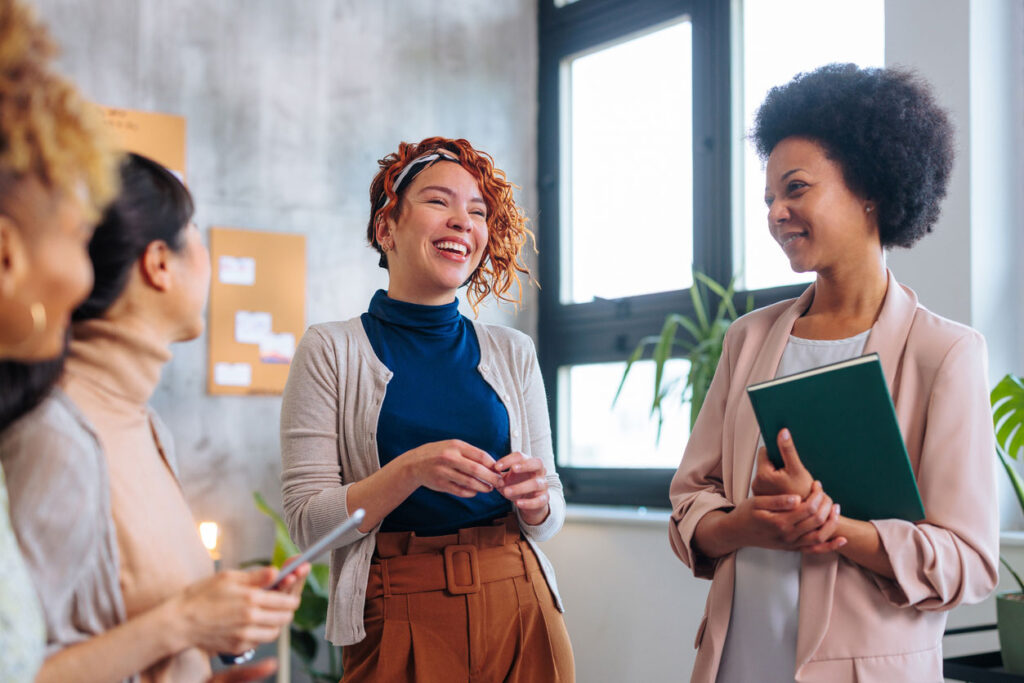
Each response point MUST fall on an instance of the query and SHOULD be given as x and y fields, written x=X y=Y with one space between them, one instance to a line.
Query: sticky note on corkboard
x=257 y=309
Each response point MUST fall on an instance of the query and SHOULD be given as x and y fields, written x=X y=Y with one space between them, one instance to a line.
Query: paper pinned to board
x=253 y=327
x=232 y=374
x=236 y=270
x=277 y=348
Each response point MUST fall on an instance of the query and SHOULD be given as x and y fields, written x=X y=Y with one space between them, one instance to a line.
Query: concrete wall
x=288 y=107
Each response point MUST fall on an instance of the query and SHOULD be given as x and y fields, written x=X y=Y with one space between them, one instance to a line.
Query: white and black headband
x=411 y=170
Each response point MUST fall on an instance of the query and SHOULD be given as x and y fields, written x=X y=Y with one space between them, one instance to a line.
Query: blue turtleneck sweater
x=436 y=393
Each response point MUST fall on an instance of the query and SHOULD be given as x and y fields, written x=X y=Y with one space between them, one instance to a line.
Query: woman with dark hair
x=128 y=591
x=437 y=426
x=857 y=162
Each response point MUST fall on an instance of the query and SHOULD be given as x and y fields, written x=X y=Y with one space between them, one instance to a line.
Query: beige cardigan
x=853 y=624
x=329 y=418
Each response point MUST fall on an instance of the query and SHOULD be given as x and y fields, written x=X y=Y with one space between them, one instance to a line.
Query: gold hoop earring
x=38 y=313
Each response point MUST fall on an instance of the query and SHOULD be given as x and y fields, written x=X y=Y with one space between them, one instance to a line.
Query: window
x=830 y=31
x=644 y=176
x=628 y=140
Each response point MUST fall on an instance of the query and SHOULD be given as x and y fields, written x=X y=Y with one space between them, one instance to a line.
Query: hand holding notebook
x=845 y=430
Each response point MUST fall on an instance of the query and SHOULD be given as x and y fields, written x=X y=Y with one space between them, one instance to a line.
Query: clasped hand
x=789 y=510
x=456 y=467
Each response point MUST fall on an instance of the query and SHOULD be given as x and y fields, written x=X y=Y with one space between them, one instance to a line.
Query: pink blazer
x=853 y=624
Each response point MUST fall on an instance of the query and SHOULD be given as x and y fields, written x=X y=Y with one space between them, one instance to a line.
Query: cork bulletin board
x=161 y=137
x=257 y=310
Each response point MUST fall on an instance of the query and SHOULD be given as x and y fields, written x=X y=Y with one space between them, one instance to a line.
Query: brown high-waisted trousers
x=470 y=607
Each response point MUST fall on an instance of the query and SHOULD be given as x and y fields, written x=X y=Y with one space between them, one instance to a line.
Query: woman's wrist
x=535 y=517
x=715 y=534
x=174 y=625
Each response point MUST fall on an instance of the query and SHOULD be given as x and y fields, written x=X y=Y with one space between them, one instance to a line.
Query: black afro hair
x=892 y=141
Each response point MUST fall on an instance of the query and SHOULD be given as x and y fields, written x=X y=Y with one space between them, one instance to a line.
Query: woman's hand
x=761 y=523
x=792 y=477
x=525 y=483
x=232 y=612
x=779 y=522
x=293 y=583
x=453 y=467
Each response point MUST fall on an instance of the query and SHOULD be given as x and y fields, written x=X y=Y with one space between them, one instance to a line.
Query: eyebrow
x=790 y=172
x=448 y=191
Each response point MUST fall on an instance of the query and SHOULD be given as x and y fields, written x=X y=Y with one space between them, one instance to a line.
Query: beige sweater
x=143 y=545
x=329 y=417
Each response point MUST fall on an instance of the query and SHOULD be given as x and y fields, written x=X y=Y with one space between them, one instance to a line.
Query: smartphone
x=311 y=553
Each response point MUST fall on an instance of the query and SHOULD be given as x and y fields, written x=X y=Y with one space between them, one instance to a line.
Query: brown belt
x=459 y=569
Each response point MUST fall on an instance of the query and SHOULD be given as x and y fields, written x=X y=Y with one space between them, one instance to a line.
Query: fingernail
x=792 y=500
x=784 y=434
x=517 y=468
x=842 y=542
x=837 y=510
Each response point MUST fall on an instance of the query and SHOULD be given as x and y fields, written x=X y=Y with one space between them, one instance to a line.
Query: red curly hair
x=507 y=233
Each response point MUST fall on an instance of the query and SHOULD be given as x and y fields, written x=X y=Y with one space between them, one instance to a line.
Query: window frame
x=607 y=330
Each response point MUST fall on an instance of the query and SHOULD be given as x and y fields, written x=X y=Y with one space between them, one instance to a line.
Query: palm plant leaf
x=284 y=547
x=637 y=354
x=698 y=307
x=1008 y=414
x=701 y=345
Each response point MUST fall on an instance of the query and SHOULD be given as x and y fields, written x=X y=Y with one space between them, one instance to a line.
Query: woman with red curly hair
x=437 y=426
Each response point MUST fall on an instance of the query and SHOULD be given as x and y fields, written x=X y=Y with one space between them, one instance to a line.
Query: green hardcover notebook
x=844 y=428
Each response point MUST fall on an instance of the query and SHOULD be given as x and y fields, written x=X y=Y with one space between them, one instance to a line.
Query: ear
x=382 y=228
x=13 y=255
x=155 y=265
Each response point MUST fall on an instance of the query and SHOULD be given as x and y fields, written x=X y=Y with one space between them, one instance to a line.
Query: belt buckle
x=458 y=555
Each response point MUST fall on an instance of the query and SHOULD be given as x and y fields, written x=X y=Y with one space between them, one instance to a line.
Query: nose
x=460 y=219
x=778 y=213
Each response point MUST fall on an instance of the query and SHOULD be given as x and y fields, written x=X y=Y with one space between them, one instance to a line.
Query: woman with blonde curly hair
x=437 y=426
x=56 y=174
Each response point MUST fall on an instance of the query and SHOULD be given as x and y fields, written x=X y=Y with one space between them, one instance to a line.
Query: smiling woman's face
x=46 y=268
x=816 y=219
x=440 y=236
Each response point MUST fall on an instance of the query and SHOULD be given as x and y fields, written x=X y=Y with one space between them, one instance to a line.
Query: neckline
x=830 y=342
x=444 y=318
x=123 y=363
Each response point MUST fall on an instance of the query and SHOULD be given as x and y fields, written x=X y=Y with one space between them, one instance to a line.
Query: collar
x=122 y=362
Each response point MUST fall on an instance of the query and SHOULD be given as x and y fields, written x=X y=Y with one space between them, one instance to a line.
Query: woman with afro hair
x=857 y=162
x=437 y=426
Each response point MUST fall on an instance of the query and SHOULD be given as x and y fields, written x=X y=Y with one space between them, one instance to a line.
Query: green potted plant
x=1008 y=417
x=304 y=637
x=701 y=345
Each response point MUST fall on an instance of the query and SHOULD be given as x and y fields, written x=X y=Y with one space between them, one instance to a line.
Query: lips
x=455 y=249
x=790 y=237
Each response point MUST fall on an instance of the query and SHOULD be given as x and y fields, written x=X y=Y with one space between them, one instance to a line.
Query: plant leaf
x=304 y=644
x=284 y=547
x=662 y=350
x=1008 y=414
x=698 y=306
x=312 y=611
x=637 y=354
x=320 y=578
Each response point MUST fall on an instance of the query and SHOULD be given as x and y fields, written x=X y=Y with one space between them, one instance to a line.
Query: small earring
x=38 y=313
x=868 y=208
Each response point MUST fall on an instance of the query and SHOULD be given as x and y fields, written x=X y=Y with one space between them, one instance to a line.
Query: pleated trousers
x=470 y=607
